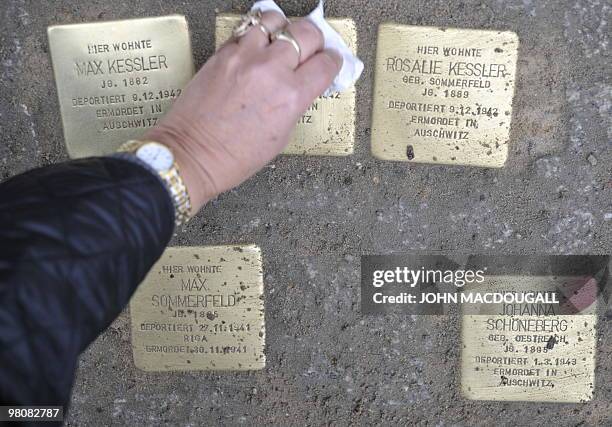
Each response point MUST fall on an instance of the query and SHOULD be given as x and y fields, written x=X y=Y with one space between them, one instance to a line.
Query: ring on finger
x=265 y=30
x=286 y=36
x=251 y=19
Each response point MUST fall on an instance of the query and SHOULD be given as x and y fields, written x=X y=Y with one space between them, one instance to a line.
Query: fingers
x=259 y=35
x=309 y=39
x=317 y=74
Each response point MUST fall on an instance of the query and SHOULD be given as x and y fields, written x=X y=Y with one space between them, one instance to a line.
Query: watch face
x=158 y=156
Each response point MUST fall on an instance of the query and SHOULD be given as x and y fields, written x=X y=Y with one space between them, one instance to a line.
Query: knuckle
x=231 y=61
x=257 y=70
x=328 y=64
x=289 y=93
x=311 y=31
x=227 y=50
x=294 y=96
x=301 y=82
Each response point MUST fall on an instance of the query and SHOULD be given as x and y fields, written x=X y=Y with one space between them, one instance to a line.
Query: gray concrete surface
x=313 y=217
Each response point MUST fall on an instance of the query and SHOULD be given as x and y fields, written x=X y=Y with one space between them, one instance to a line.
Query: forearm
x=76 y=240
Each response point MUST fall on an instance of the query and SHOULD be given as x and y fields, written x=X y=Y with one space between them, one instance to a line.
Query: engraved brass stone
x=201 y=308
x=443 y=95
x=520 y=355
x=117 y=79
x=328 y=127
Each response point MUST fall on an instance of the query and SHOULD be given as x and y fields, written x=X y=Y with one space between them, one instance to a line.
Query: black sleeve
x=76 y=239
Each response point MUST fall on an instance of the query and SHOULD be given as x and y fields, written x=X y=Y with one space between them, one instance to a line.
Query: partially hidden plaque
x=443 y=95
x=328 y=127
x=116 y=79
x=201 y=308
x=529 y=352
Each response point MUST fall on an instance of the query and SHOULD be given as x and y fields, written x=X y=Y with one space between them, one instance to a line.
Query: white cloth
x=352 y=66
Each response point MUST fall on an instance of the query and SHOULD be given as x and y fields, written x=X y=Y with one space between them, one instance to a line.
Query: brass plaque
x=527 y=352
x=201 y=308
x=328 y=127
x=117 y=79
x=443 y=95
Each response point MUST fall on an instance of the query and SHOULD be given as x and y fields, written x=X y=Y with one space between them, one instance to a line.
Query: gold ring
x=251 y=19
x=285 y=36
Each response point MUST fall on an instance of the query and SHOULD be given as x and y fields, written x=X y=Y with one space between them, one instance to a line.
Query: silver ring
x=251 y=19
x=286 y=36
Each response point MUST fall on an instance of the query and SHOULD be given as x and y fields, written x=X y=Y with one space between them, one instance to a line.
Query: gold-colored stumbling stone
x=443 y=95
x=201 y=308
x=116 y=79
x=527 y=352
x=328 y=127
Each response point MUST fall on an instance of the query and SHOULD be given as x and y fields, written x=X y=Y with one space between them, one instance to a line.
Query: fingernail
x=336 y=57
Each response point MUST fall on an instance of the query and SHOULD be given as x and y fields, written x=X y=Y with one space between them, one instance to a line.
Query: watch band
x=171 y=178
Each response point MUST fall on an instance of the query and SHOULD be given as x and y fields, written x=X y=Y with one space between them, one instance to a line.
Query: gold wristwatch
x=161 y=159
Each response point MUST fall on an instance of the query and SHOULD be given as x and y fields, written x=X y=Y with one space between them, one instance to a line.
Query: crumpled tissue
x=352 y=66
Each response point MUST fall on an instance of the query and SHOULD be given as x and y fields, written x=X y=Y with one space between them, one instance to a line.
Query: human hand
x=238 y=112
